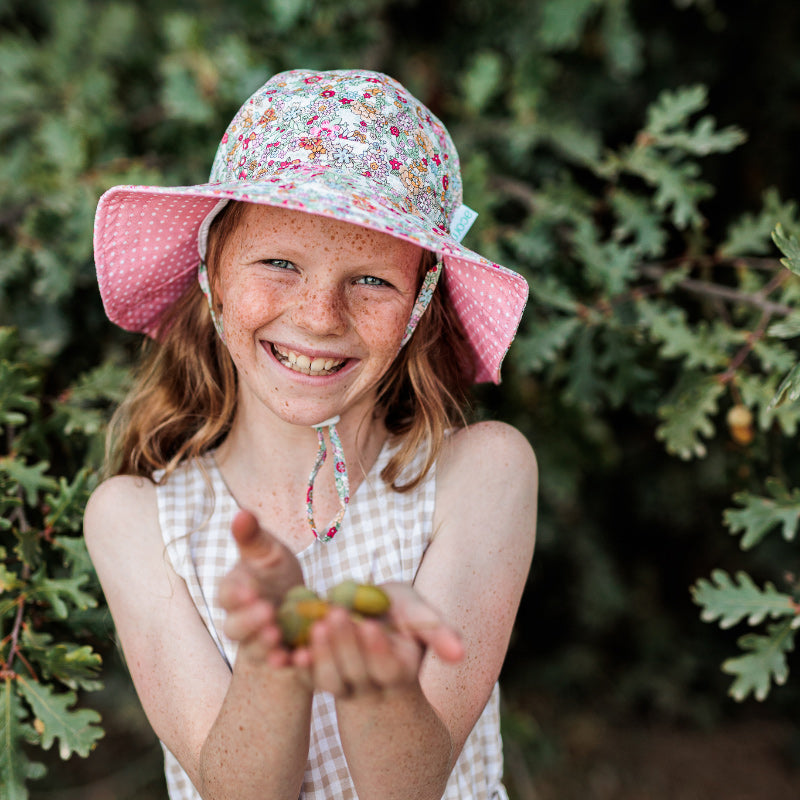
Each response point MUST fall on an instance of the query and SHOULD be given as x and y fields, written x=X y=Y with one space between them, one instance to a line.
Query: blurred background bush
x=631 y=159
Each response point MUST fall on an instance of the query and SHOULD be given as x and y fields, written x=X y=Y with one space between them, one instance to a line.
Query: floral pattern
x=341 y=123
x=340 y=477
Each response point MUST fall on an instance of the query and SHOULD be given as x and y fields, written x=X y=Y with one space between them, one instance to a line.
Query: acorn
x=740 y=424
x=361 y=598
x=298 y=611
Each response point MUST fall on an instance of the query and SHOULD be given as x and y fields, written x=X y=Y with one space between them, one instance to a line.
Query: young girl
x=294 y=308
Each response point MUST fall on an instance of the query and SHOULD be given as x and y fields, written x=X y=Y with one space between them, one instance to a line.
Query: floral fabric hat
x=351 y=144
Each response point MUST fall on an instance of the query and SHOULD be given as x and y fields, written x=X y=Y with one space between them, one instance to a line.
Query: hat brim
x=145 y=249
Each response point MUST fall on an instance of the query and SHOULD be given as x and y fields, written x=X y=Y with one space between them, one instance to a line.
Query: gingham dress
x=383 y=538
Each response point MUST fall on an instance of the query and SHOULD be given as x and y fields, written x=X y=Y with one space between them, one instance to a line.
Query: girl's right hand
x=252 y=590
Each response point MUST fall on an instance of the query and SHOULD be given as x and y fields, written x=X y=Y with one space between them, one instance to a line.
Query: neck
x=270 y=451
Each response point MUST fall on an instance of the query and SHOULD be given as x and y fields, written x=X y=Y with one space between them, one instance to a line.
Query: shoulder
x=487 y=479
x=121 y=497
x=487 y=450
x=120 y=520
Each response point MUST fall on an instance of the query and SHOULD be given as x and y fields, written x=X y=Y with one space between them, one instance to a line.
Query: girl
x=294 y=305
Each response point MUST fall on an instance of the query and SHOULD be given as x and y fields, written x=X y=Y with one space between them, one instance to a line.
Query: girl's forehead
x=262 y=225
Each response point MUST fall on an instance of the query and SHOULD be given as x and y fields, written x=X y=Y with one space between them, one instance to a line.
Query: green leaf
x=730 y=601
x=635 y=219
x=583 y=384
x=15 y=400
x=786 y=328
x=789 y=245
x=57 y=592
x=758 y=391
x=543 y=342
x=9 y=581
x=31 y=478
x=76 y=729
x=65 y=508
x=574 y=141
x=29 y=547
x=703 y=139
x=673 y=108
x=706 y=346
x=752 y=234
x=759 y=515
x=562 y=23
x=789 y=388
x=76 y=666
x=624 y=43
x=677 y=189
x=687 y=415
x=549 y=291
x=765 y=663
x=15 y=766
x=481 y=80
x=609 y=265
x=76 y=555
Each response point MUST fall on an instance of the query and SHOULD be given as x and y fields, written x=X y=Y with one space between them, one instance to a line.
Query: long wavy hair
x=184 y=396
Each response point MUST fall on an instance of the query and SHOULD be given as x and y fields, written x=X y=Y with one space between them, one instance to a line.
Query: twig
x=19 y=515
x=758 y=300
x=754 y=336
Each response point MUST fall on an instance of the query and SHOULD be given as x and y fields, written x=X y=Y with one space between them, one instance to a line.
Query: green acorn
x=362 y=598
x=298 y=611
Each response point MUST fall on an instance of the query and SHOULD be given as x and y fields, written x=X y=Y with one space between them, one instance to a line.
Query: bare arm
x=242 y=735
x=404 y=715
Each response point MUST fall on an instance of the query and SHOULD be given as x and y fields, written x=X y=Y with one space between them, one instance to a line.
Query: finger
x=443 y=641
x=276 y=568
x=247 y=621
x=391 y=660
x=324 y=669
x=412 y=616
x=347 y=651
x=237 y=588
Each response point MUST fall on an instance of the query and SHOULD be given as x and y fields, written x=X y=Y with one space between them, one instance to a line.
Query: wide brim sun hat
x=353 y=145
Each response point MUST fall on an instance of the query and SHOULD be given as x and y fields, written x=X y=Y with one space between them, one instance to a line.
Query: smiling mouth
x=299 y=362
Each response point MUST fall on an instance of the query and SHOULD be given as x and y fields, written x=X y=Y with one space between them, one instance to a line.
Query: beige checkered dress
x=383 y=538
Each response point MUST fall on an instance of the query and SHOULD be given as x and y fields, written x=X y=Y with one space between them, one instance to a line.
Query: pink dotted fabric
x=351 y=145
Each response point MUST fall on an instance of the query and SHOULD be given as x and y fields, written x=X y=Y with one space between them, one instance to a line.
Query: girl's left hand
x=355 y=658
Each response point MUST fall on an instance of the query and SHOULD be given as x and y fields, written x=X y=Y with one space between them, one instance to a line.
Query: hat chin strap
x=339 y=475
x=340 y=467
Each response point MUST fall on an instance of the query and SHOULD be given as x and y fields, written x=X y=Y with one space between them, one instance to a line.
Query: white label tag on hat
x=463 y=217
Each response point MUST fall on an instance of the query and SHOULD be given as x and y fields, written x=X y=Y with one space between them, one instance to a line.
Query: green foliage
x=731 y=600
x=764 y=663
x=760 y=514
x=47 y=585
x=647 y=230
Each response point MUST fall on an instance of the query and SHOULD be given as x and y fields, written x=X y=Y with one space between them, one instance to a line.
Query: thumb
x=273 y=565
x=253 y=541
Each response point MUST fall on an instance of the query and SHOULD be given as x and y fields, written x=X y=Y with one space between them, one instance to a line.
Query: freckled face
x=314 y=310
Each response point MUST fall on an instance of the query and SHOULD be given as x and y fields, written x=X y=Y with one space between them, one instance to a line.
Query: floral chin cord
x=340 y=468
x=339 y=475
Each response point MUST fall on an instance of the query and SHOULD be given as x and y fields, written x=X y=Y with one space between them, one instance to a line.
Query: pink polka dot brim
x=355 y=146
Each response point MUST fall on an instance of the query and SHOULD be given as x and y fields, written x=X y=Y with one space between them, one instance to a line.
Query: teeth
x=299 y=362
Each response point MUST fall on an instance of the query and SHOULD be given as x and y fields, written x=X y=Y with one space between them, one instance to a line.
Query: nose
x=321 y=309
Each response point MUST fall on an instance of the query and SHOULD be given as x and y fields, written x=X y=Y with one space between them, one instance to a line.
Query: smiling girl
x=312 y=298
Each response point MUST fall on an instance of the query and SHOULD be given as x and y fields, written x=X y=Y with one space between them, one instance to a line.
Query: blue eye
x=278 y=263
x=371 y=280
